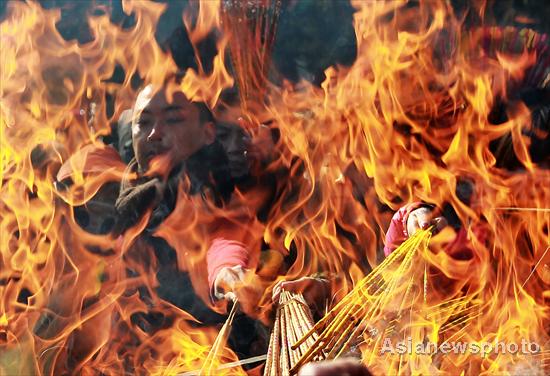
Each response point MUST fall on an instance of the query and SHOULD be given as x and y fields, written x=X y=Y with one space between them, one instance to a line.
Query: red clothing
x=397 y=232
x=234 y=242
x=460 y=248
x=222 y=253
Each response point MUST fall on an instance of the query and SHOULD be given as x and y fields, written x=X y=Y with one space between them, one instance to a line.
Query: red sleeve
x=397 y=232
x=461 y=248
x=222 y=253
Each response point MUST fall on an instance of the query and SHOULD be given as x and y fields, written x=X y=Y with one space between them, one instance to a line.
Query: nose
x=233 y=146
x=157 y=132
x=237 y=144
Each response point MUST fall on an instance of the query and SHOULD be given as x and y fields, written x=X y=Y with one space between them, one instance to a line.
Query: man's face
x=235 y=142
x=170 y=128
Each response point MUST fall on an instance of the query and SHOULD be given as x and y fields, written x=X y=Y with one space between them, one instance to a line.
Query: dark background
x=311 y=35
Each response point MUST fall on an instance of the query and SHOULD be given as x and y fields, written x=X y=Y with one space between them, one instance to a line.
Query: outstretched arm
x=409 y=219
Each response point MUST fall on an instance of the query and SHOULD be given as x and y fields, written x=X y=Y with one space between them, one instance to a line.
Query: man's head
x=166 y=123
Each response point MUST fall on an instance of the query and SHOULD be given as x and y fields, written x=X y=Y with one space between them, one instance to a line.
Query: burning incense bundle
x=293 y=320
x=252 y=26
x=366 y=305
x=209 y=363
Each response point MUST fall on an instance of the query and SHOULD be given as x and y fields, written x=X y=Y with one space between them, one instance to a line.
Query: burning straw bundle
x=388 y=285
x=293 y=320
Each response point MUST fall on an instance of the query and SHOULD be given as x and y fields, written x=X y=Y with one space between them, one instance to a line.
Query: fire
x=412 y=119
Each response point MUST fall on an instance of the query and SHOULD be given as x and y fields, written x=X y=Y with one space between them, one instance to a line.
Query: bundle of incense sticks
x=252 y=26
x=209 y=365
x=390 y=284
x=293 y=320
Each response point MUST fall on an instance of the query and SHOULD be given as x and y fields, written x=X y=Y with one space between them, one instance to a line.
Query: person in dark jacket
x=175 y=148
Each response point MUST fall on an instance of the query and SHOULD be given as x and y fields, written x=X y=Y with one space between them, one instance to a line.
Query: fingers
x=286 y=285
x=219 y=293
x=277 y=291
x=240 y=273
x=223 y=282
x=418 y=219
x=298 y=285
x=412 y=225
x=422 y=218
x=230 y=296
x=440 y=223
x=228 y=280
x=279 y=287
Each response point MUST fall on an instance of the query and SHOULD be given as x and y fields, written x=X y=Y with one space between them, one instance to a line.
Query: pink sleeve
x=222 y=253
x=397 y=232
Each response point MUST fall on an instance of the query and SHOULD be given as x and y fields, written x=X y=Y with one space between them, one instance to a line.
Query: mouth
x=237 y=154
x=237 y=159
x=238 y=165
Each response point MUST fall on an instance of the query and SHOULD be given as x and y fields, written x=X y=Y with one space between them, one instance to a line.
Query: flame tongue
x=416 y=117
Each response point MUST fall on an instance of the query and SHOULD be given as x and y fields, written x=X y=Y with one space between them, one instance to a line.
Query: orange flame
x=408 y=121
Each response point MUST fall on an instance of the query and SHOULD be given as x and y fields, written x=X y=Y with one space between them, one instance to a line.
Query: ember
x=154 y=175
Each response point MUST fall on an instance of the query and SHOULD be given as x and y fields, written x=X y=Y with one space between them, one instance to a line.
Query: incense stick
x=219 y=343
x=293 y=319
x=366 y=302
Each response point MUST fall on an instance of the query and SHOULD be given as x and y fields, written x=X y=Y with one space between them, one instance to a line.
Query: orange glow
x=408 y=121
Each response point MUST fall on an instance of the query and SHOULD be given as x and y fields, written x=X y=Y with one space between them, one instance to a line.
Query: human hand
x=350 y=367
x=312 y=288
x=422 y=218
x=228 y=281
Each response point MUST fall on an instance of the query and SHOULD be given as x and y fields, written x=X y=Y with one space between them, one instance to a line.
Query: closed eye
x=222 y=135
x=145 y=121
x=174 y=120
